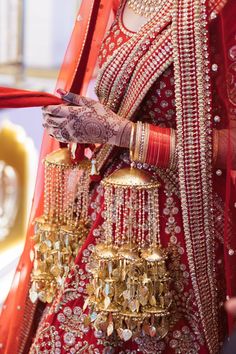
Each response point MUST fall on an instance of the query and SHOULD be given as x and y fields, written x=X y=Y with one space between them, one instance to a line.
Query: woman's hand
x=86 y=121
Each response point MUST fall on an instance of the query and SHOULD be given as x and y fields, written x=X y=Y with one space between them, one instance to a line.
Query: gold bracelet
x=146 y=140
x=173 y=150
x=131 y=143
x=141 y=142
x=141 y=145
x=137 y=140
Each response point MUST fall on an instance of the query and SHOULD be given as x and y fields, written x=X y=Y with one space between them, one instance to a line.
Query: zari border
x=114 y=75
x=151 y=66
x=194 y=141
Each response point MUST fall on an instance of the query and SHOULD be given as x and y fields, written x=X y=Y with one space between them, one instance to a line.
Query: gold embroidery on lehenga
x=195 y=162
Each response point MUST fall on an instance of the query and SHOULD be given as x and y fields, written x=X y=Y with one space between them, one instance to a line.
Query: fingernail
x=69 y=97
x=61 y=92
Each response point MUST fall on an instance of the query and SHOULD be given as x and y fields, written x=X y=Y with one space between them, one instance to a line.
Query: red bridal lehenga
x=169 y=76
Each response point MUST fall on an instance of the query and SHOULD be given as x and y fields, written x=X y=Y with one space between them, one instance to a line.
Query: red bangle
x=158 y=152
x=154 y=145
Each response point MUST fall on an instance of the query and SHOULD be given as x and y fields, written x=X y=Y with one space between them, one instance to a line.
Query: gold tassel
x=61 y=230
x=130 y=288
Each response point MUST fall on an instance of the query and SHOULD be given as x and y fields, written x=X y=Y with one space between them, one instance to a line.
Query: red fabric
x=81 y=56
x=15 y=325
x=227 y=31
x=115 y=4
x=14 y=98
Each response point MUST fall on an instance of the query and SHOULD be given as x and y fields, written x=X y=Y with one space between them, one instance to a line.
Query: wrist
x=153 y=145
x=122 y=138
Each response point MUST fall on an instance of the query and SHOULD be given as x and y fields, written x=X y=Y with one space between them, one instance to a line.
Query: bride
x=166 y=93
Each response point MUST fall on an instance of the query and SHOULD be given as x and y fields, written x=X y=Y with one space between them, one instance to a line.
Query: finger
x=47 y=116
x=53 y=121
x=72 y=97
x=57 y=111
x=57 y=134
x=53 y=110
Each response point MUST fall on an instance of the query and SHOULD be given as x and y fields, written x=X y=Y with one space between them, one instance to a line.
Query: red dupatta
x=227 y=90
x=76 y=72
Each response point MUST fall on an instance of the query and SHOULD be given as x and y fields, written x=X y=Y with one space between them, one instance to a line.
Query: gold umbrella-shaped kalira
x=153 y=254
x=128 y=252
x=130 y=262
x=63 y=226
x=105 y=251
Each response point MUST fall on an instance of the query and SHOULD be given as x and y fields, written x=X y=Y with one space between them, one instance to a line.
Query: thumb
x=71 y=97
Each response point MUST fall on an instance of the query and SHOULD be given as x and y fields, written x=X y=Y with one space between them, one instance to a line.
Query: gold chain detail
x=144 y=8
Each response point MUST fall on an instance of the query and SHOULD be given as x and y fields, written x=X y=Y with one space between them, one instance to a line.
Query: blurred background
x=33 y=39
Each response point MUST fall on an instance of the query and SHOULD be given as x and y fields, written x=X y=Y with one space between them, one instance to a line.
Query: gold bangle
x=131 y=143
x=173 y=150
x=137 y=141
x=146 y=141
x=141 y=142
x=141 y=145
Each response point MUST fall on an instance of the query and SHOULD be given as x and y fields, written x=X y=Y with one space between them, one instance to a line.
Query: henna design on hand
x=87 y=121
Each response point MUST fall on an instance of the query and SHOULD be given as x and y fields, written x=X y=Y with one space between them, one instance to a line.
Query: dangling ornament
x=130 y=288
x=60 y=231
